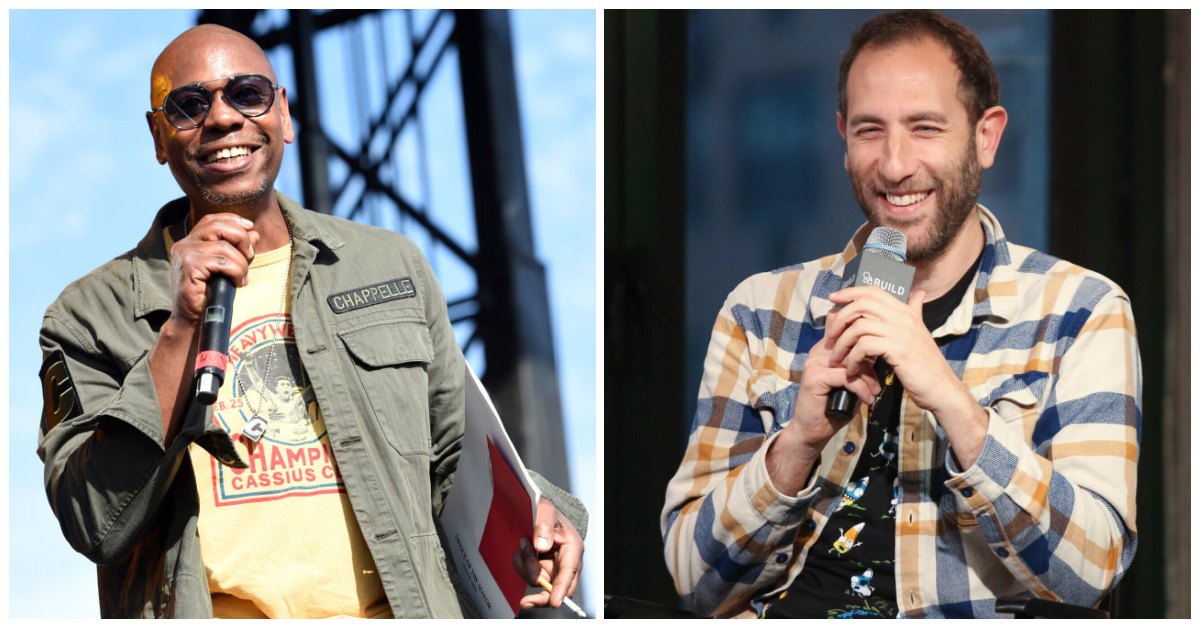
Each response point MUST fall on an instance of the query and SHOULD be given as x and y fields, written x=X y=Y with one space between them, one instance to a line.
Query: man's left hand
x=556 y=555
x=874 y=324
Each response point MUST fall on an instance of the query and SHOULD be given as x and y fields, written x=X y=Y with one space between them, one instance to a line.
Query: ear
x=988 y=131
x=159 y=152
x=289 y=134
x=842 y=129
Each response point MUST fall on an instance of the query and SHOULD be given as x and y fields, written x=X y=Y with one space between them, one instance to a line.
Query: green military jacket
x=388 y=377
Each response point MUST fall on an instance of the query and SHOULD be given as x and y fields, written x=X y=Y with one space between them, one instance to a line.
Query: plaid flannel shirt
x=1047 y=347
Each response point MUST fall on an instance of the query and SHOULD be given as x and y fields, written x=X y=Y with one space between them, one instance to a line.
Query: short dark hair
x=978 y=88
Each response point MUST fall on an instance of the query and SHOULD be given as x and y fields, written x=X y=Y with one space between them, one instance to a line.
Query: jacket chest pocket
x=389 y=360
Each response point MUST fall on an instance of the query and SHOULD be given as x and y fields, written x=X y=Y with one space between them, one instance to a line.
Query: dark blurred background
x=722 y=159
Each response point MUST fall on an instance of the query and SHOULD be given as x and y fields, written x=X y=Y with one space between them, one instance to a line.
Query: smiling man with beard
x=1013 y=403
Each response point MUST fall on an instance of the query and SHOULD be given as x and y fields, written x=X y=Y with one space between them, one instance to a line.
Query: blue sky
x=85 y=186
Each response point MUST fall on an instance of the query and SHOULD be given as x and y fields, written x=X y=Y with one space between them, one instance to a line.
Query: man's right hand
x=217 y=244
x=793 y=454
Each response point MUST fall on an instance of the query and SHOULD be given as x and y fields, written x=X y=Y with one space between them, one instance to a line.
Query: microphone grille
x=887 y=242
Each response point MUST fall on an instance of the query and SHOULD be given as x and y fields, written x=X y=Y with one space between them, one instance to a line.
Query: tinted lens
x=187 y=106
x=251 y=94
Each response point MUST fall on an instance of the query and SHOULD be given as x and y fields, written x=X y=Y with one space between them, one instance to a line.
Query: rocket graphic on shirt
x=852 y=493
x=848 y=540
x=861 y=584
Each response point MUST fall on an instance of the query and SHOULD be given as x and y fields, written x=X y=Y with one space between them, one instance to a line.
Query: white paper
x=466 y=510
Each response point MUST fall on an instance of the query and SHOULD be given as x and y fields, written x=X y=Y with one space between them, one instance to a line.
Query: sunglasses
x=250 y=94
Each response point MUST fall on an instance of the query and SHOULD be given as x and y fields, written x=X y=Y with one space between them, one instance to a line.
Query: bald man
x=202 y=511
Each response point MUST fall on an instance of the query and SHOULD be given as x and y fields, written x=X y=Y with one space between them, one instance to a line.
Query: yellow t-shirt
x=279 y=539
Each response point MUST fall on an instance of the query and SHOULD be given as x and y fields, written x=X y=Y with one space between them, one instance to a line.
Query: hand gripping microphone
x=214 y=339
x=881 y=263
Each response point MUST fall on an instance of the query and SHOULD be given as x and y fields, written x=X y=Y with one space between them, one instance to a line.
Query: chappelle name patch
x=373 y=294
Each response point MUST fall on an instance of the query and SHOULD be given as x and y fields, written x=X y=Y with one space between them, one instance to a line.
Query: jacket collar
x=994 y=296
x=152 y=265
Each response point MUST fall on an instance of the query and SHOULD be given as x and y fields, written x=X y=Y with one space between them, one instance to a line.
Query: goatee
x=231 y=201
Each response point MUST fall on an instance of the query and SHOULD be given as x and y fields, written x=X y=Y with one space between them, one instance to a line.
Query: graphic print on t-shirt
x=852 y=574
x=292 y=457
x=848 y=540
x=852 y=493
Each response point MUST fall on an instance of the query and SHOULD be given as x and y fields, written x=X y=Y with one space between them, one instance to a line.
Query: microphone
x=214 y=339
x=880 y=263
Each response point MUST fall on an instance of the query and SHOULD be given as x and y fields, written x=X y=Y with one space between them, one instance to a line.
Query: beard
x=956 y=195
x=240 y=199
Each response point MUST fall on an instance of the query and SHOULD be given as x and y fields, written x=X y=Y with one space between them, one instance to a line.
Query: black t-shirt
x=850 y=570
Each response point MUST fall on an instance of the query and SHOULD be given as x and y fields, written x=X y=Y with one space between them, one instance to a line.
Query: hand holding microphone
x=878 y=322
x=879 y=326
x=215 y=245
x=881 y=264
x=206 y=264
x=829 y=391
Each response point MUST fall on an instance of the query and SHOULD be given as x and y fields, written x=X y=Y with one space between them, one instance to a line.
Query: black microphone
x=881 y=263
x=214 y=339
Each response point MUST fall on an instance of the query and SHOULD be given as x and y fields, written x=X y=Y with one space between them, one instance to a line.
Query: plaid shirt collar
x=995 y=293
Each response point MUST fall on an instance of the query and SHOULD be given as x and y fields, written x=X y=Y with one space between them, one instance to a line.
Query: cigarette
x=566 y=600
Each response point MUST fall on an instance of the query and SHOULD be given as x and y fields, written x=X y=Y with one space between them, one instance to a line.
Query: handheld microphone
x=214 y=339
x=880 y=263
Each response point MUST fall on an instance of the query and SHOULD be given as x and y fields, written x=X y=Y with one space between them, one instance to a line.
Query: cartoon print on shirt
x=888 y=447
x=848 y=540
x=853 y=493
x=891 y=376
x=861 y=584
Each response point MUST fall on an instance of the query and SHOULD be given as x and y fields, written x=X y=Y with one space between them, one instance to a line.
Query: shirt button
x=968 y=492
x=810 y=524
x=849 y=448
x=781 y=558
x=1001 y=552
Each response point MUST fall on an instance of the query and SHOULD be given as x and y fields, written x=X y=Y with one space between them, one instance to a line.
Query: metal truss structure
x=399 y=52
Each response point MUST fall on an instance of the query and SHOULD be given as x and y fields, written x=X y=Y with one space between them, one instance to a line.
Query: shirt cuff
x=989 y=479
x=136 y=402
x=773 y=506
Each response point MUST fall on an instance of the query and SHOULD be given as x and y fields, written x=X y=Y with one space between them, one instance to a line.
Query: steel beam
x=514 y=315
x=314 y=153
